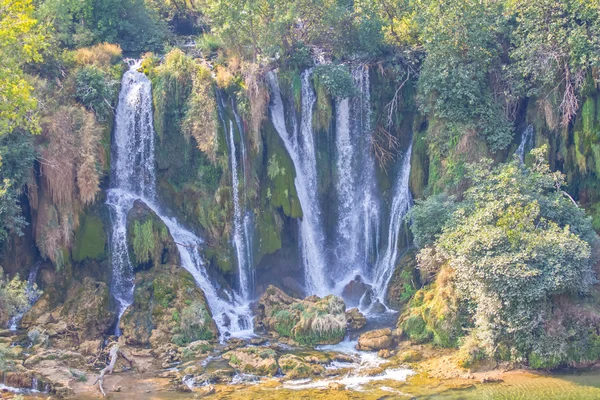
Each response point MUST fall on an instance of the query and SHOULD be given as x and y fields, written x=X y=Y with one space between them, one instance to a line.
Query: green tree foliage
x=80 y=23
x=21 y=41
x=16 y=159
x=555 y=44
x=463 y=44
x=278 y=28
x=513 y=244
x=13 y=297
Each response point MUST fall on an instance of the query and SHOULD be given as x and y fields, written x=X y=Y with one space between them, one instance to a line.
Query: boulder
x=295 y=367
x=355 y=319
x=87 y=309
x=253 y=360
x=310 y=321
x=354 y=291
x=375 y=340
x=168 y=306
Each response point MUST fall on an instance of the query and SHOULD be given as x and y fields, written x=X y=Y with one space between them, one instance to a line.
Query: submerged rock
x=295 y=367
x=355 y=319
x=354 y=291
x=375 y=340
x=253 y=360
x=310 y=321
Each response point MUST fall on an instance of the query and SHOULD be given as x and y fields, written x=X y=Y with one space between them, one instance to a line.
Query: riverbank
x=338 y=372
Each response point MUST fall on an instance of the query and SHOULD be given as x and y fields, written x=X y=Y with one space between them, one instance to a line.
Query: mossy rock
x=253 y=360
x=88 y=309
x=150 y=243
x=404 y=283
x=308 y=322
x=90 y=239
x=167 y=307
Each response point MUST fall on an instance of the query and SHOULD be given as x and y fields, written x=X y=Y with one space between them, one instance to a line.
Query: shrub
x=336 y=79
x=101 y=55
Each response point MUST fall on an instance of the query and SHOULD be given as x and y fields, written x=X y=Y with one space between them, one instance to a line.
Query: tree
x=555 y=44
x=513 y=245
x=21 y=41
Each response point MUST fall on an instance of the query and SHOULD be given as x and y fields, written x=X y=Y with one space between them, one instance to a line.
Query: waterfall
x=133 y=172
x=526 y=143
x=401 y=204
x=358 y=207
x=32 y=293
x=134 y=177
x=301 y=148
x=239 y=241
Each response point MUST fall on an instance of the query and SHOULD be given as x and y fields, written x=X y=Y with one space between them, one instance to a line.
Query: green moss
x=419 y=165
x=144 y=241
x=164 y=293
x=90 y=240
x=415 y=328
x=324 y=111
x=282 y=188
x=269 y=234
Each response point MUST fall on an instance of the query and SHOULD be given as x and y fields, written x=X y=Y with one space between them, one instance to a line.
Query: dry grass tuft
x=101 y=55
x=258 y=96
x=200 y=119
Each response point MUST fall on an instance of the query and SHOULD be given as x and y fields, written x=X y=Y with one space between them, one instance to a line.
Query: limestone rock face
x=355 y=319
x=253 y=360
x=168 y=307
x=375 y=340
x=310 y=321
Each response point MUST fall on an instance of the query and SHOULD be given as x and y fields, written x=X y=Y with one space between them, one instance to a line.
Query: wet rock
x=253 y=360
x=310 y=321
x=168 y=307
x=295 y=367
x=491 y=379
x=183 y=388
x=375 y=340
x=385 y=353
x=257 y=341
x=354 y=291
x=336 y=386
x=355 y=319
x=410 y=356
x=404 y=282
x=204 y=391
x=377 y=307
x=70 y=359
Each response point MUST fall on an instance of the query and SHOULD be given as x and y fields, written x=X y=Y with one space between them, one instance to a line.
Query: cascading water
x=32 y=293
x=526 y=143
x=134 y=177
x=357 y=232
x=239 y=241
x=301 y=148
x=401 y=204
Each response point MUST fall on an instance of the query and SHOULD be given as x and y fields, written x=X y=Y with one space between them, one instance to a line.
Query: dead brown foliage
x=258 y=96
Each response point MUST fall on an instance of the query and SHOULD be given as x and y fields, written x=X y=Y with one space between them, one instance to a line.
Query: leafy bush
x=513 y=244
x=336 y=79
x=13 y=297
x=96 y=91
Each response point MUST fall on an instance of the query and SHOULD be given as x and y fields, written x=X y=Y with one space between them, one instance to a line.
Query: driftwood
x=114 y=354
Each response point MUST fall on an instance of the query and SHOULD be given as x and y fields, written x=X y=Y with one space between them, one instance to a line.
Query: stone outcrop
x=355 y=319
x=375 y=340
x=253 y=360
x=168 y=306
x=295 y=367
x=310 y=321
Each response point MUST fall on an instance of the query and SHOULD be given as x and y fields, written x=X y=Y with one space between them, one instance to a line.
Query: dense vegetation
x=504 y=252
